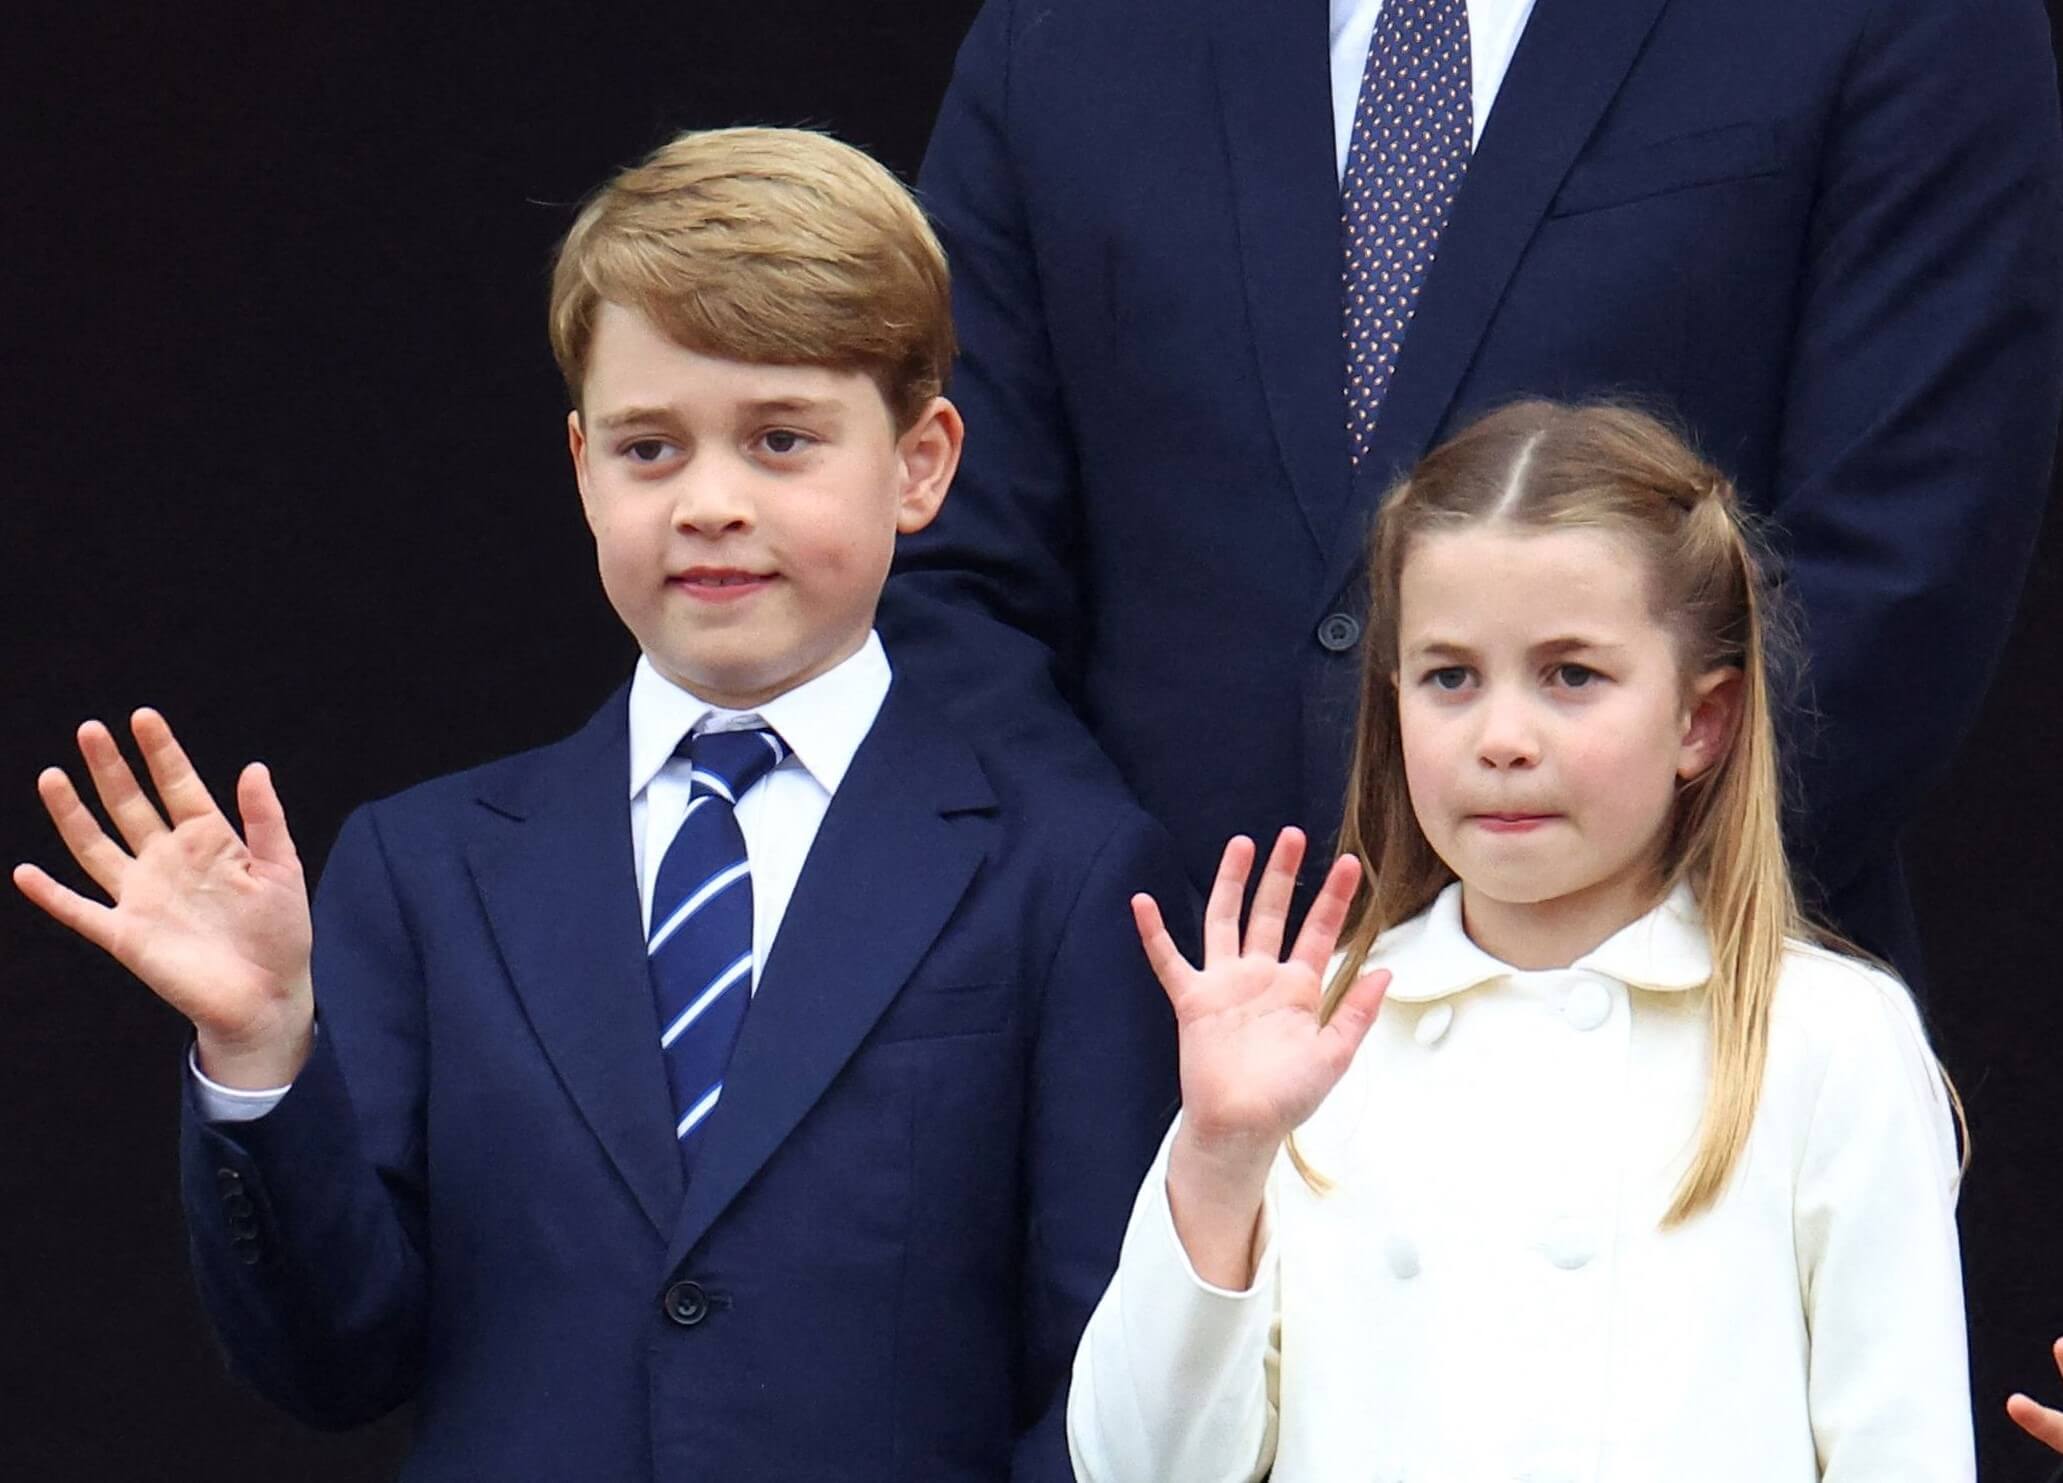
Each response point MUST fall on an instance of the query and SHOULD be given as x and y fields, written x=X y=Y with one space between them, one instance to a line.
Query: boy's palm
x=1256 y=1061
x=216 y=926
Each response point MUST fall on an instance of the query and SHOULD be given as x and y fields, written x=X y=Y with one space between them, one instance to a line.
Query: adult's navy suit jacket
x=954 y=1072
x=1826 y=235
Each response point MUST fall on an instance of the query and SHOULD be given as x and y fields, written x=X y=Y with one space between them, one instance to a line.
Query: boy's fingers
x=1221 y=911
x=184 y=795
x=1328 y=914
x=89 y=919
x=1264 y=925
x=2038 y=1421
x=135 y=816
x=264 y=820
x=1161 y=952
x=100 y=857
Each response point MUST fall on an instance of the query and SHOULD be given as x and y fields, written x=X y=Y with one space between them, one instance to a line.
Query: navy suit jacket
x=1828 y=236
x=955 y=1071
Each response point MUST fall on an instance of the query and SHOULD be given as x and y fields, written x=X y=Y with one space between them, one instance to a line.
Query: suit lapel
x=1570 y=63
x=887 y=868
x=1272 y=70
x=561 y=895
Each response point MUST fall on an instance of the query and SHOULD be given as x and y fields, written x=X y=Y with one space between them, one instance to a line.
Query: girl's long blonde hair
x=1547 y=466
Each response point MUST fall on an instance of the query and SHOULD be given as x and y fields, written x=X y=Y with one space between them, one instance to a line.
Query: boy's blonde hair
x=1546 y=466
x=776 y=246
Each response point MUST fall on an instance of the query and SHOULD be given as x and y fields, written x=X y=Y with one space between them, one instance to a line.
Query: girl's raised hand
x=1256 y=1062
x=216 y=926
x=2041 y=1422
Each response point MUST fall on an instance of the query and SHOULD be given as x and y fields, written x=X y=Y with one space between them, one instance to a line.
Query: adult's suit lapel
x=1570 y=62
x=558 y=881
x=889 y=865
x=1270 y=63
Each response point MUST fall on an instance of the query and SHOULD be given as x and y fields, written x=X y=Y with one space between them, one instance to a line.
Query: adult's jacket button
x=686 y=1304
x=227 y=1180
x=1339 y=632
x=238 y=1204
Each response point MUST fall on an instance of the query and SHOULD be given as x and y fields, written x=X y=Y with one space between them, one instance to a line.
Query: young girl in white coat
x=1630 y=1180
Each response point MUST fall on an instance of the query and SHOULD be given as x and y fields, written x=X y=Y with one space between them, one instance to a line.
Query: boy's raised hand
x=216 y=926
x=1256 y=1062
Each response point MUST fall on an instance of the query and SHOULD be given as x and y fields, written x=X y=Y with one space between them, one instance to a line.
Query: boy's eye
x=784 y=440
x=646 y=450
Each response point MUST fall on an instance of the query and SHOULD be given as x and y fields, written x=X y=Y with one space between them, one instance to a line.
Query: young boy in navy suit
x=752 y=1085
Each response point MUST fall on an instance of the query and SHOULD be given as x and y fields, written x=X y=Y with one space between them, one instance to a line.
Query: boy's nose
x=709 y=501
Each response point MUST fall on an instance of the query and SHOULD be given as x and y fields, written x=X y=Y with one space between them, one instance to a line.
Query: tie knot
x=725 y=764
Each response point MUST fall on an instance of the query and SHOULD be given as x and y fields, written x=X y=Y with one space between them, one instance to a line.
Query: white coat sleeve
x=1175 y=1378
x=1880 y=1272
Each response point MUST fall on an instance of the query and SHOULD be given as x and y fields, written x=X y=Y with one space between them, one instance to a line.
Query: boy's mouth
x=718 y=583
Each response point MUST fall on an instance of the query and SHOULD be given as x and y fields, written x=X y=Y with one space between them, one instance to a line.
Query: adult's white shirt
x=1487 y=1293
x=1494 y=27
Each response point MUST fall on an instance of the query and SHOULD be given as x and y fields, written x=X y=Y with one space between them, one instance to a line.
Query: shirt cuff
x=221 y=1104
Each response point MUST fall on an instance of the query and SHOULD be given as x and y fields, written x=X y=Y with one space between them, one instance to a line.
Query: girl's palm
x=1256 y=1061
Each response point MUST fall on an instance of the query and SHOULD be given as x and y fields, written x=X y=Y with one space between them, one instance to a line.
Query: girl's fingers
x=1161 y=952
x=2038 y=1421
x=1355 y=1012
x=89 y=919
x=1264 y=925
x=179 y=787
x=1328 y=914
x=135 y=816
x=1221 y=911
x=100 y=857
x=264 y=820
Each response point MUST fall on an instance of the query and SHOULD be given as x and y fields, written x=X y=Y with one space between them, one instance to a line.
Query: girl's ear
x=1709 y=721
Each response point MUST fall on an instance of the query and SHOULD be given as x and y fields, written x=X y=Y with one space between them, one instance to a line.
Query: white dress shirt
x=1487 y=1293
x=823 y=721
x=1493 y=29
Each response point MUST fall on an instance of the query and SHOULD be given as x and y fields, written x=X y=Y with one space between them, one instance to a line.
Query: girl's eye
x=1575 y=676
x=1453 y=677
x=783 y=441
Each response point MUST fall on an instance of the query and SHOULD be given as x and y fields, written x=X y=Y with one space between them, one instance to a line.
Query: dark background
x=283 y=454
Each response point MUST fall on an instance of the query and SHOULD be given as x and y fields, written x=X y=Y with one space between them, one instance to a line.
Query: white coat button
x=1402 y=1255
x=1589 y=1005
x=1433 y=1024
x=1568 y=1245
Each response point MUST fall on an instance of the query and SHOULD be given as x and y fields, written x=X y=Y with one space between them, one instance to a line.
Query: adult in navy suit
x=1829 y=237
x=479 y=1181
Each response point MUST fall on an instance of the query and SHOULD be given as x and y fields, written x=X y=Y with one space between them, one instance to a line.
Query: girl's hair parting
x=1539 y=465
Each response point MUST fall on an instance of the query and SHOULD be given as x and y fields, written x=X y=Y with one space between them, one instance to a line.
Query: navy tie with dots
x=1405 y=160
x=700 y=943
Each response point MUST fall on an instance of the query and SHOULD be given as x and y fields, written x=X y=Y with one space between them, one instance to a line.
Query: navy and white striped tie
x=700 y=944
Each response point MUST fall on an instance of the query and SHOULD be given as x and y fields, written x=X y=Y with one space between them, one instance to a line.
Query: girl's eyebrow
x=1574 y=643
x=1439 y=649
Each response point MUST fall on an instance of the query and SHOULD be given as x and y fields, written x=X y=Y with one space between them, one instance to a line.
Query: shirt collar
x=823 y=720
x=1431 y=956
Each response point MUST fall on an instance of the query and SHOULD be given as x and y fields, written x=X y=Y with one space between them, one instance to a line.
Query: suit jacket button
x=1339 y=632
x=228 y=1180
x=686 y=1304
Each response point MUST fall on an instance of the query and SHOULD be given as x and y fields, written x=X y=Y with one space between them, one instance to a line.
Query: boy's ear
x=926 y=457
x=1713 y=714
x=576 y=445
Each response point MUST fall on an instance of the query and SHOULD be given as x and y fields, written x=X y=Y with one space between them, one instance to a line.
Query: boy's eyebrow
x=788 y=406
x=627 y=416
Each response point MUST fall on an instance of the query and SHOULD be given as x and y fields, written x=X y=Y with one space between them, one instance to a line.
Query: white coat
x=1487 y=1293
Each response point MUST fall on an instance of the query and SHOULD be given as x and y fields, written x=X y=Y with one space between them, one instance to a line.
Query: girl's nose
x=1508 y=738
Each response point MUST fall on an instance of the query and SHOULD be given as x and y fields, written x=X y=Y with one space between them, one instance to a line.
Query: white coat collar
x=1431 y=956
